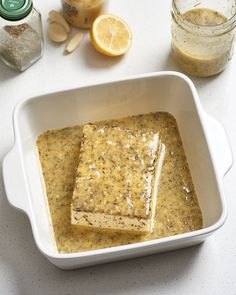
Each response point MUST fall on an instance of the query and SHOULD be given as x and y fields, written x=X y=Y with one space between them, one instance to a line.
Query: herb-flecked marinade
x=178 y=210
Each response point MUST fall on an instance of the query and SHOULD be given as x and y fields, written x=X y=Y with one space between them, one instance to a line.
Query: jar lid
x=15 y=9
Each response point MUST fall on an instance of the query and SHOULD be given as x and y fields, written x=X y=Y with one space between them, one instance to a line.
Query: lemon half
x=110 y=35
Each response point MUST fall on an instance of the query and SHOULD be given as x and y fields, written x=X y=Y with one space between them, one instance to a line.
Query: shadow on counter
x=6 y=73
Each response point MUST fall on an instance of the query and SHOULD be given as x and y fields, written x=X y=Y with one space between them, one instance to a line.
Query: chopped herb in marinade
x=178 y=209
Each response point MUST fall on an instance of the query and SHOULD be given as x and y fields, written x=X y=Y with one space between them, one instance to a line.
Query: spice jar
x=21 y=41
x=202 y=35
x=82 y=13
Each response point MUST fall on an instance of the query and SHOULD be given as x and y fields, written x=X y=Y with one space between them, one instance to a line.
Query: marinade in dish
x=178 y=210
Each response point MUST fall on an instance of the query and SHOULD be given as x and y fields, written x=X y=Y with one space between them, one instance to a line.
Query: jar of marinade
x=82 y=13
x=203 y=35
x=21 y=39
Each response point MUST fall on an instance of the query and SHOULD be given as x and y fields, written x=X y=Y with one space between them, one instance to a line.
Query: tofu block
x=117 y=179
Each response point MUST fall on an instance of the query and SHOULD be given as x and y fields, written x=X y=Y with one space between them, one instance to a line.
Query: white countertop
x=206 y=269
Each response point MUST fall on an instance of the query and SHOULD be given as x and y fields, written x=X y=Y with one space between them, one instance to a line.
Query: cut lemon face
x=110 y=35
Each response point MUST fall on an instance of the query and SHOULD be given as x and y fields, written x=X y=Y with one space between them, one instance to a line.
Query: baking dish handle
x=14 y=180
x=219 y=142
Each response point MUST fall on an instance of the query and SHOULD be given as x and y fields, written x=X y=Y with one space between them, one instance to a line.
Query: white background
x=206 y=269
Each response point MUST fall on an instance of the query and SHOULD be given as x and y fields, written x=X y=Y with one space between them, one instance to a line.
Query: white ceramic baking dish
x=205 y=142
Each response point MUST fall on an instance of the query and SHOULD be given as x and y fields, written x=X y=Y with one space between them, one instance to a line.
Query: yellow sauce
x=200 y=55
x=178 y=209
x=82 y=13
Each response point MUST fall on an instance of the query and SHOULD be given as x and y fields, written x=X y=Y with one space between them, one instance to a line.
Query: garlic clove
x=74 y=43
x=56 y=17
x=57 y=32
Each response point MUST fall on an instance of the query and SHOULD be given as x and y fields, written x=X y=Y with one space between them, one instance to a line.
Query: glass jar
x=203 y=35
x=21 y=39
x=82 y=13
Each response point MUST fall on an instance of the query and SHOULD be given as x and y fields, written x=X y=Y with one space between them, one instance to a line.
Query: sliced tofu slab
x=117 y=179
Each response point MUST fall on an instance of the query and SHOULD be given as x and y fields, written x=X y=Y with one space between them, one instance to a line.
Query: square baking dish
x=205 y=142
